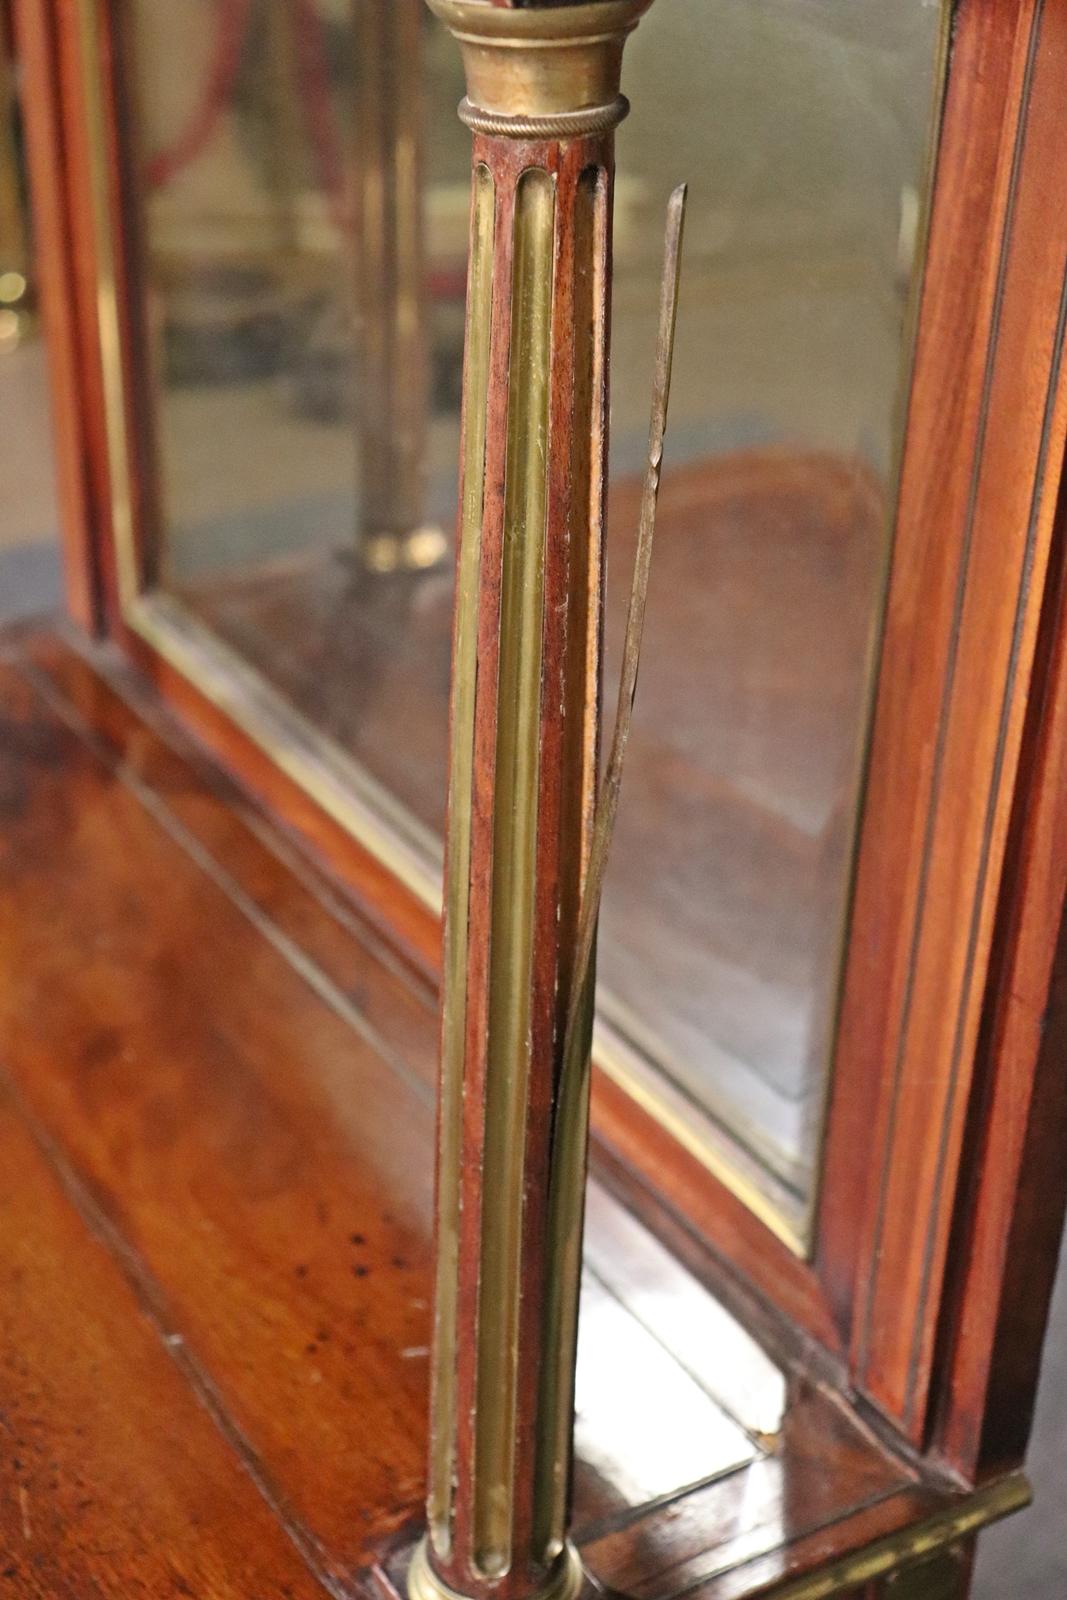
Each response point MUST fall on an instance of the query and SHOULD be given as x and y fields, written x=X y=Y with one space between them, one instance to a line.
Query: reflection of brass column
x=14 y=255
x=394 y=383
x=542 y=102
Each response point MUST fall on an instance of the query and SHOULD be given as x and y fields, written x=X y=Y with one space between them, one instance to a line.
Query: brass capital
x=548 y=72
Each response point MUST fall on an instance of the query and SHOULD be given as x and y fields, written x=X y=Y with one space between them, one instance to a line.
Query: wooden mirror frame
x=937 y=1137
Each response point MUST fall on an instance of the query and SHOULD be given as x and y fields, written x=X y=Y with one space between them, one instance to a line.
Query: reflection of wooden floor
x=721 y=923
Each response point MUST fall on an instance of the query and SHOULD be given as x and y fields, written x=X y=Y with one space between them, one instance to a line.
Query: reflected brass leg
x=543 y=101
x=14 y=253
x=394 y=381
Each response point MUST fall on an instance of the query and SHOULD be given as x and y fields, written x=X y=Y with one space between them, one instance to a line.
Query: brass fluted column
x=542 y=101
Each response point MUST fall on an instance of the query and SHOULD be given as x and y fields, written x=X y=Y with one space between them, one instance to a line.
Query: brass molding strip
x=562 y=125
x=514 y=863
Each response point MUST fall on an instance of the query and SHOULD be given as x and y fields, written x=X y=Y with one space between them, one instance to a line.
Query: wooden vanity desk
x=826 y=1184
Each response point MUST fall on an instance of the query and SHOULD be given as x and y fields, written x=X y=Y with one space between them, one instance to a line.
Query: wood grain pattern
x=257 y=1167
x=953 y=330
x=265 y=1246
x=116 y=1481
x=960 y=636
x=518 y=829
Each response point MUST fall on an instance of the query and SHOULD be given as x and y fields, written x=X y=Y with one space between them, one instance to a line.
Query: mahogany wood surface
x=116 y=1478
x=711 y=874
x=946 y=779
x=964 y=603
x=249 y=1141
x=1005 y=1245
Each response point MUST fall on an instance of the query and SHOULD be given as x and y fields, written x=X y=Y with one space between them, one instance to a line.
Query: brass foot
x=564 y=1581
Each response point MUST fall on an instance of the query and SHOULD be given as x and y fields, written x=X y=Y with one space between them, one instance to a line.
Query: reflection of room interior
x=275 y=336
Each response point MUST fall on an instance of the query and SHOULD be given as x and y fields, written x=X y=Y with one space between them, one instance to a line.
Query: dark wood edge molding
x=65 y=329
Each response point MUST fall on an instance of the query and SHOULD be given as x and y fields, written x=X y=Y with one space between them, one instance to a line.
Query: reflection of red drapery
x=218 y=86
x=313 y=80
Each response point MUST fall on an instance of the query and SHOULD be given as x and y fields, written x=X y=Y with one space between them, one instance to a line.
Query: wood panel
x=309 y=908
x=213 y=1100
x=260 y=1156
x=116 y=1480
x=963 y=612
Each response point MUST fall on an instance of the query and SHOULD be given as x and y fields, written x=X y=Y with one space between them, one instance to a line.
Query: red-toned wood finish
x=116 y=1479
x=76 y=447
x=84 y=168
x=217 y=1127
x=1005 y=1246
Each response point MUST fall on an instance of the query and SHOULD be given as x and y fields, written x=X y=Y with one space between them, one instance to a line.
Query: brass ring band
x=563 y=125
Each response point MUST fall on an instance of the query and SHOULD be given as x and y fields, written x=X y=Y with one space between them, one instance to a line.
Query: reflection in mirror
x=304 y=185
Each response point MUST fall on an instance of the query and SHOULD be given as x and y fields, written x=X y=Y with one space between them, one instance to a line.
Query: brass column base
x=564 y=1581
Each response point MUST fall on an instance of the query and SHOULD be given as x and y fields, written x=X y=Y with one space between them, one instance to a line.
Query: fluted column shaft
x=542 y=102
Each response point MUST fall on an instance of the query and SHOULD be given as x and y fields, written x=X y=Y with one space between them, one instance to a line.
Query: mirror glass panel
x=303 y=180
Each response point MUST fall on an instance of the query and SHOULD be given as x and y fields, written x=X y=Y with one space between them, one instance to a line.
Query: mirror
x=304 y=203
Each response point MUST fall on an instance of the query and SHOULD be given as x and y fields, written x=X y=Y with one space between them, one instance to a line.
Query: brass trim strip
x=913 y=1544
x=515 y=807
x=460 y=792
x=613 y=1055
x=336 y=782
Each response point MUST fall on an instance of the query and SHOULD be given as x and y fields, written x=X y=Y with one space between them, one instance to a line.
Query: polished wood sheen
x=217 y=1137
